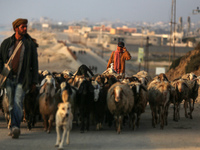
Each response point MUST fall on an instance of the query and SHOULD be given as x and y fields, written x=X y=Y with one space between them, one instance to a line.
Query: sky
x=97 y=10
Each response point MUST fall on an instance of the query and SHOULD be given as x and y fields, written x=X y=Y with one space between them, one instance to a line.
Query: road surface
x=184 y=134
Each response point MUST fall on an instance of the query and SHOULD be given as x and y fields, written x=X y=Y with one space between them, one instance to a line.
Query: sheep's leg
x=138 y=119
x=28 y=119
x=132 y=122
x=88 y=122
x=82 y=123
x=120 y=119
x=175 y=115
x=162 y=110
x=178 y=111
x=193 y=104
x=174 y=109
x=185 y=106
x=158 y=111
x=24 y=117
x=191 y=109
x=45 y=122
x=153 y=116
x=50 y=121
x=166 y=114
x=116 y=122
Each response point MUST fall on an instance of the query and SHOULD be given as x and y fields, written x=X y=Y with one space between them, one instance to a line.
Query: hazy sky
x=96 y=10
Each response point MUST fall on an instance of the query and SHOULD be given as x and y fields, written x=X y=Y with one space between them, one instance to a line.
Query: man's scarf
x=117 y=60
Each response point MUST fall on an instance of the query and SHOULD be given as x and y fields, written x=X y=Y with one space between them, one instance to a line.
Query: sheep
x=153 y=83
x=159 y=100
x=120 y=101
x=110 y=71
x=140 y=100
x=101 y=80
x=99 y=105
x=193 y=93
x=143 y=77
x=31 y=107
x=162 y=77
x=85 y=102
x=77 y=80
x=109 y=80
x=182 y=92
x=47 y=103
x=130 y=79
x=5 y=108
x=189 y=76
x=85 y=71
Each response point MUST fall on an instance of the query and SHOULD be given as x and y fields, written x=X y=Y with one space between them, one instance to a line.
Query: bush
x=175 y=63
x=194 y=64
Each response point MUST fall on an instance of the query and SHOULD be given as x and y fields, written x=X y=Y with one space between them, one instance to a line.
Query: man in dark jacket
x=24 y=71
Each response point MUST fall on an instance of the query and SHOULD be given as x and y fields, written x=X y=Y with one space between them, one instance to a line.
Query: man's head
x=20 y=26
x=121 y=44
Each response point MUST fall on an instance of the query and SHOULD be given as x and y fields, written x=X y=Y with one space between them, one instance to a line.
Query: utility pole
x=141 y=47
x=147 y=55
x=172 y=30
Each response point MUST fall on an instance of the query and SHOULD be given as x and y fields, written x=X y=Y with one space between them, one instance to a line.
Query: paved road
x=177 y=135
x=91 y=60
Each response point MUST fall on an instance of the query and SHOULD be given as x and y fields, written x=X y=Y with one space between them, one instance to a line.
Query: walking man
x=24 y=71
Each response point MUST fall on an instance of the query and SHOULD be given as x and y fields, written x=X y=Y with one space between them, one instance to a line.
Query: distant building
x=74 y=28
x=102 y=28
x=123 y=30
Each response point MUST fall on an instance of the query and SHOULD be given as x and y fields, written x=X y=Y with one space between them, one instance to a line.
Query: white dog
x=64 y=118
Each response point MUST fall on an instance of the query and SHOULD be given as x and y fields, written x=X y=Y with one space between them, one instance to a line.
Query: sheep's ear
x=80 y=90
x=52 y=91
x=123 y=91
x=160 y=86
x=106 y=80
x=42 y=89
x=185 y=84
x=69 y=89
x=113 y=92
x=43 y=81
x=91 y=88
x=143 y=87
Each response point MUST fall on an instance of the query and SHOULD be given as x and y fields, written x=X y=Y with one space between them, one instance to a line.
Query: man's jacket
x=29 y=69
x=123 y=56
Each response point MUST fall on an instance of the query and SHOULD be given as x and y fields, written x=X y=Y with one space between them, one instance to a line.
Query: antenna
x=196 y=11
x=173 y=29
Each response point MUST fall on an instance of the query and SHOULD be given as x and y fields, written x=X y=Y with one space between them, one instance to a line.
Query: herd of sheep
x=107 y=98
